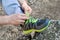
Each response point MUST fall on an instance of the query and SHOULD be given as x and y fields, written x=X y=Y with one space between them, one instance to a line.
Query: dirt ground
x=41 y=9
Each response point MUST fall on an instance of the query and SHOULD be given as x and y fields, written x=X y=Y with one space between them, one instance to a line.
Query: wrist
x=7 y=20
x=4 y=20
x=22 y=2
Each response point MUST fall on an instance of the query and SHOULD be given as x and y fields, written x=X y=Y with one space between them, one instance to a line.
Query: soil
x=41 y=9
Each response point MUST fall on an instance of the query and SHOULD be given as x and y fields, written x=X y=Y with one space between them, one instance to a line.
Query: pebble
x=15 y=30
x=59 y=22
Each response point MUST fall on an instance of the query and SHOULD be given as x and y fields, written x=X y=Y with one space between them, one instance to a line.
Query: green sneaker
x=37 y=25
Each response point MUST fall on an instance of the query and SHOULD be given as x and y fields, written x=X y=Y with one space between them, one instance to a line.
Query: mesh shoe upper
x=35 y=23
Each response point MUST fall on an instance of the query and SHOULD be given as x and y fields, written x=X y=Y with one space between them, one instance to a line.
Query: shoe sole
x=36 y=30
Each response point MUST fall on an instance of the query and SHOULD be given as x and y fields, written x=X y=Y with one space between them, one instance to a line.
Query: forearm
x=4 y=20
x=22 y=2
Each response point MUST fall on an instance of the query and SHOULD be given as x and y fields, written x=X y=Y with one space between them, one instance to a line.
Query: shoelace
x=35 y=27
x=31 y=25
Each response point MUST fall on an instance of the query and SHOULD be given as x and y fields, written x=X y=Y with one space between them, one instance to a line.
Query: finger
x=29 y=10
x=19 y=24
x=23 y=17
x=21 y=21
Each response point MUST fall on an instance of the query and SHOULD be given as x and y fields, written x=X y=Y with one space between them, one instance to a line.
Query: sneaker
x=37 y=25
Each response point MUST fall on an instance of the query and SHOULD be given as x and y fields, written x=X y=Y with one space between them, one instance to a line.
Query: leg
x=0 y=1
x=11 y=6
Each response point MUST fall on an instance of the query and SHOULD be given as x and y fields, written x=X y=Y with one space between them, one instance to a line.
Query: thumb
x=27 y=13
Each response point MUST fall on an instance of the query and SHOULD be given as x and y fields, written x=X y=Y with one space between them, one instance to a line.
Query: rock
x=15 y=30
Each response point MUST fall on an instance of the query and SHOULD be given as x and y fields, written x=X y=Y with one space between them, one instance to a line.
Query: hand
x=16 y=19
x=26 y=8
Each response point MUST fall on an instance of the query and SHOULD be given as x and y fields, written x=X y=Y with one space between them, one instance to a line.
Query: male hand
x=26 y=8
x=16 y=19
